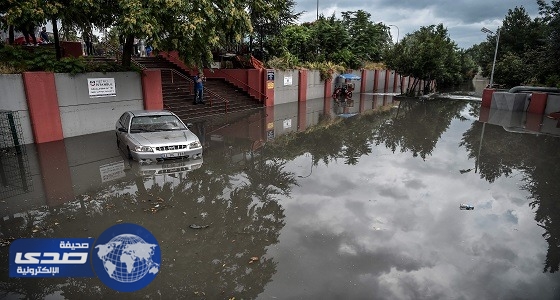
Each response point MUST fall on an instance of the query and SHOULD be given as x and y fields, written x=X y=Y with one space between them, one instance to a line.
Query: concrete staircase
x=220 y=96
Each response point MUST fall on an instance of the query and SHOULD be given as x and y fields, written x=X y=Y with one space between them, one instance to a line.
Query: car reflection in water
x=128 y=167
x=168 y=167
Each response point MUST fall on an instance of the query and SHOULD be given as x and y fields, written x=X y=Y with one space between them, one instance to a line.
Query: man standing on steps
x=198 y=88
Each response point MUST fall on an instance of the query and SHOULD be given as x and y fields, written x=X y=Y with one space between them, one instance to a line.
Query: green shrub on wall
x=326 y=69
x=14 y=59
x=290 y=61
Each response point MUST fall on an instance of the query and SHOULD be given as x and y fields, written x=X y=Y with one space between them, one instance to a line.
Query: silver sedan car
x=148 y=135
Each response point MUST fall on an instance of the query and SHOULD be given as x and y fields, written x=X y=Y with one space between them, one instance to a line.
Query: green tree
x=192 y=28
x=329 y=35
x=427 y=54
x=367 y=39
x=269 y=18
x=521 y=42
x=296 y=40
x=549 y=62
x=511 y=70
x=518 y=32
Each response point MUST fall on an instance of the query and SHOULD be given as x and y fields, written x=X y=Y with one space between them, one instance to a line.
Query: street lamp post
x=398 y=31
x=488 y=31
x=311 y=172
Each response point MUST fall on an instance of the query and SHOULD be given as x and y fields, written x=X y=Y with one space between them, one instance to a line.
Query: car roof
x=139 y=113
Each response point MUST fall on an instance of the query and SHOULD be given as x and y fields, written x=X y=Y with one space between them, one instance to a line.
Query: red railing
x=241 y=84
x=173 y=57
x=214 y=97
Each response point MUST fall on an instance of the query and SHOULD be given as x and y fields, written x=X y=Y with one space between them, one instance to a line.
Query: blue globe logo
x=129 y=260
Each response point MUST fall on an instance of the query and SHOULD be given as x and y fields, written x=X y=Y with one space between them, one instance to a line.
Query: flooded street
x=310 y=201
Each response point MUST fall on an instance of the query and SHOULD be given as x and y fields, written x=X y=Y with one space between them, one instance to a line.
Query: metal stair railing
x=213 y=95
x=229 y=78
x=243 y=84
x=118 y=55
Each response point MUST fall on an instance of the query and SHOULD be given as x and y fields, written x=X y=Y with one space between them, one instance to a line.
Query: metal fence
x=15 y=177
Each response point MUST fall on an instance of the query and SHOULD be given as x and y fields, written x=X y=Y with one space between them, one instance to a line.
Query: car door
x=122 y=129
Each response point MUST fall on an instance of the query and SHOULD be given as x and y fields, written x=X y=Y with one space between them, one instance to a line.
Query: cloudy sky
x=463 y=19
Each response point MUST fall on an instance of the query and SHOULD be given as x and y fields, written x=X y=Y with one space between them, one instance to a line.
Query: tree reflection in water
x=419 y=125
x=239 y=200
x=537 y=157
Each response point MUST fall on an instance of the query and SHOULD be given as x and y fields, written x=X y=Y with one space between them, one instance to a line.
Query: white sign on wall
x=287 y=80
x=287 y=123
x=101 y=87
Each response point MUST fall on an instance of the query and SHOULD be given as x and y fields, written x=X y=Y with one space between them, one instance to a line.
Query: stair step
x=178 y=96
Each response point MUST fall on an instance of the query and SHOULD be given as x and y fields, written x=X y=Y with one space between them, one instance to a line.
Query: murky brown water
x=335 y=205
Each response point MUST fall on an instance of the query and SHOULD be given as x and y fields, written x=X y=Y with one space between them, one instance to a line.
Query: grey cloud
x=415 y=184
x=394 y=193
x=511 y=216
x=463 y=19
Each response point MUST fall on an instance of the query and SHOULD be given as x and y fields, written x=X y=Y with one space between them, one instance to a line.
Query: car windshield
x=155 y=123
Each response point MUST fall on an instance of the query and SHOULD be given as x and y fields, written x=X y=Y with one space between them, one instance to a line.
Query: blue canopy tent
x=344 y=86
x=350 y=76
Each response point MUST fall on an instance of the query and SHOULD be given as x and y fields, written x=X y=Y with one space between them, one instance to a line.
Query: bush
x=290 y=61
x=348 y=58
x=287 y=61
x=15 y=60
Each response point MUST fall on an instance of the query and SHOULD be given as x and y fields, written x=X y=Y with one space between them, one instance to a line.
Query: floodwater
x=312 y=201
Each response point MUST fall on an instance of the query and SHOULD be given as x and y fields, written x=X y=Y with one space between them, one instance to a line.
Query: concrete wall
x=285 y=93
x=12 y=97
x=285 y=118
x=552 y=104
x=369 y=80
x=81 y=158
x=510 y=101
x=315 y=86
x=381 y=82
x=314 y=110
x=81 y=114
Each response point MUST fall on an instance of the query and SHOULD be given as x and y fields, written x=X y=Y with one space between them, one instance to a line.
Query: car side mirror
x=121 y=129
x=189 y=125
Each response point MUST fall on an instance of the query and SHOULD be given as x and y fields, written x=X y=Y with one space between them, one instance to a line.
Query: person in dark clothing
x=28 y=31
x=199 y=88
x=88 y=41
x=44 y=35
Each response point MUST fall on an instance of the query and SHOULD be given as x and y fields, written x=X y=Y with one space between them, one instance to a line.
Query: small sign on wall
x=270 y=85
x=269 y=135
x=270 y=75
x=287 y=123
x=287 y=80
x=101 y=87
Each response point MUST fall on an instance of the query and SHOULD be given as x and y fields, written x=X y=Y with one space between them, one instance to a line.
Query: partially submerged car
x=152 y=135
